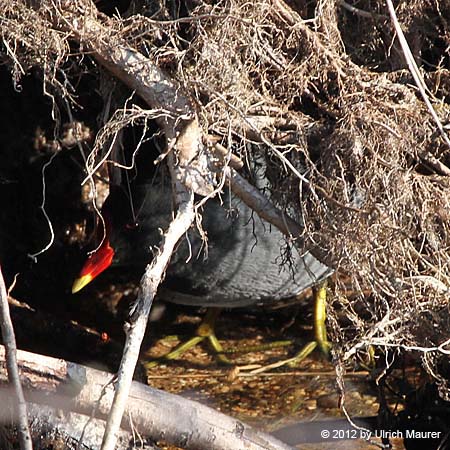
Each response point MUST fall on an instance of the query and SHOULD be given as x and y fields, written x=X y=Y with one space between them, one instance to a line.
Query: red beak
x=94 y=266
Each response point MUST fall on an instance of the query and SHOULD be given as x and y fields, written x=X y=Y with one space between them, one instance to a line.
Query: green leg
x=320 y=333
x=204 y=331
x=320 y=317
x=320 y=330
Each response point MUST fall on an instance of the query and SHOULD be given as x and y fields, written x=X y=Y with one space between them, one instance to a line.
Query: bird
x=239 y=264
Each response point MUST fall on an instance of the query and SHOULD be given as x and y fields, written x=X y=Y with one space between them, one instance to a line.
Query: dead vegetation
x=321 y=91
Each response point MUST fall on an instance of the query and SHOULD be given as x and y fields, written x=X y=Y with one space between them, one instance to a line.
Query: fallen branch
x=10 y=355
x=67 y=429
x=150 y=412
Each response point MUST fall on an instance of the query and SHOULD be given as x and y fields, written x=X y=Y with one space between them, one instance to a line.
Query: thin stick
x=296 y=373
x=361 y=12
x=150 y=281
x=415 y=71
x=9 y=340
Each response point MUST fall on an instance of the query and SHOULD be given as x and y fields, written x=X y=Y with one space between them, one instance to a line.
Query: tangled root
x=323 y=86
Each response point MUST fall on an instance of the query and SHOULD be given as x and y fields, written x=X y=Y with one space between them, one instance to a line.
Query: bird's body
x=240 y=264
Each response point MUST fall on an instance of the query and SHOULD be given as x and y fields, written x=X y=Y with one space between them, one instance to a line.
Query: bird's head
x=125 y=240
x=97 y=262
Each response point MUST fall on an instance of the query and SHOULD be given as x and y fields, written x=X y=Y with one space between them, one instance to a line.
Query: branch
x=72 y=430
x=415 y=72
x=150 y=281
x=150 y=412
x=361 y=12
x=178 y=119
x=189 y=174
x=9 y=340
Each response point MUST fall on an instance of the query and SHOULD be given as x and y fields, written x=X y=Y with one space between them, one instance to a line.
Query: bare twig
x=44 y=211
x=136 y=329
x=9 y=341
x=222 y=153
x=415 y=72
x=360 y=12
x=241 y=373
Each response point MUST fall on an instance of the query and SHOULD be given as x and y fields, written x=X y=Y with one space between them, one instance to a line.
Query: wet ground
x=269 y=398
x=275 y=397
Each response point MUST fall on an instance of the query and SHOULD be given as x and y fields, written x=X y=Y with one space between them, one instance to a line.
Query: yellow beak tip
x=80 y=283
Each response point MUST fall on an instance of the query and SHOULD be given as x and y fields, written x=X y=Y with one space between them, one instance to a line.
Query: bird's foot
x=320 y=333
x=324 y=348
x=205 y=331
x=320 y=329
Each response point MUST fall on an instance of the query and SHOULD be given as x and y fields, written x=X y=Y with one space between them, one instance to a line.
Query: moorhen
x=241 y=264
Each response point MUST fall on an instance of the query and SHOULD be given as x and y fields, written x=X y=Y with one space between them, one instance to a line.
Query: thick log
x=149 y=412
x=56 y=428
